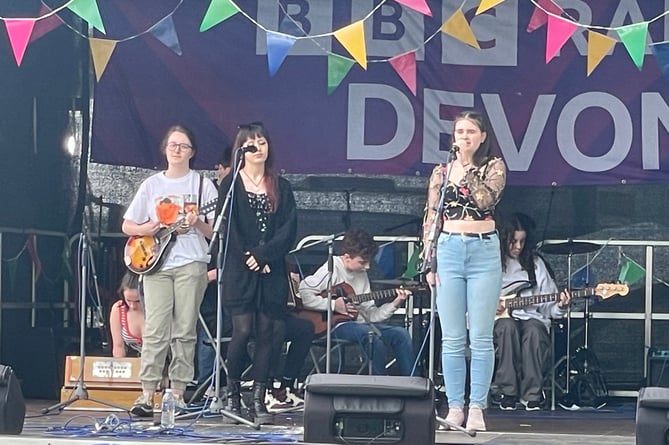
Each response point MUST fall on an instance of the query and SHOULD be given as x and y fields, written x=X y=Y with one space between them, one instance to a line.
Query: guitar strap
x=199 y=192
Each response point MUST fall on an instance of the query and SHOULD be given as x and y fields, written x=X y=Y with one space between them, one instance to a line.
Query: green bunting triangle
x=218 y=11
x=338 y=68
x=634 y=39
x=631 y=271
x=88 y=10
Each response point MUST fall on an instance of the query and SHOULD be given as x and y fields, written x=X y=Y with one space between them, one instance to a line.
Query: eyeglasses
x=172 y=146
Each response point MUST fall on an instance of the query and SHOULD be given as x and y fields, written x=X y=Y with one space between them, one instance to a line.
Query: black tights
x=242 y=326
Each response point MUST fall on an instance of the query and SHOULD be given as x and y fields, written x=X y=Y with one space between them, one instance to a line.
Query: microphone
x=455 y=148
x=249 y=149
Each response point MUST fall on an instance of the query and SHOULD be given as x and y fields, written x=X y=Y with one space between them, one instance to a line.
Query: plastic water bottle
x=167 y=409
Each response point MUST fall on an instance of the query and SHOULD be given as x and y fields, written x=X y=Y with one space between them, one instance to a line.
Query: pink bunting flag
x=19 y=31
x=45 y=25
x=539 y=16
x=405 y=66
x=419 y=5
x=558 y=32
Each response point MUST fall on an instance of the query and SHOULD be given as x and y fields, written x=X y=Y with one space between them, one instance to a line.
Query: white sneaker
x=475 y=421
x=278 y=400
x=295 y=397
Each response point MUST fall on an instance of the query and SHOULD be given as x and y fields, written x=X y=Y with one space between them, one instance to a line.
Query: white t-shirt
x=160 y=198
x=312 y=286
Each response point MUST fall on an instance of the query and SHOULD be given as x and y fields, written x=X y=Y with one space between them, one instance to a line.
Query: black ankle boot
x=262 y=417
x=233 y=398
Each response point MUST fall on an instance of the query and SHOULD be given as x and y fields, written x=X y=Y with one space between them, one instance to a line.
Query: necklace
x=255 y=183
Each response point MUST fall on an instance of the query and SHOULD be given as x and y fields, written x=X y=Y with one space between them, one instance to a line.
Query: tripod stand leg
x=81 y=393
x=453 y=426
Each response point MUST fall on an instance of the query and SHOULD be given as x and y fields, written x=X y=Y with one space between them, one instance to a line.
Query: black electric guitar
x=144 y=254
x=602 y=290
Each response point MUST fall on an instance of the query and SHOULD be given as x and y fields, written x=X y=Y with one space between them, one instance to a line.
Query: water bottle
x=167 y=409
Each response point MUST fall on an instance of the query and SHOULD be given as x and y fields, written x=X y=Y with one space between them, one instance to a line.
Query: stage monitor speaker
x=658 y=368
x=652 y=416
x=345 y=408
x=12 y=405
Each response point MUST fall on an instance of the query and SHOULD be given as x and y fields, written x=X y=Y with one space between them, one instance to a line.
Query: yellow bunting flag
x=101 y=50
x=598 y=47
x=458 y=27
x=487 y=4
x=352 y=37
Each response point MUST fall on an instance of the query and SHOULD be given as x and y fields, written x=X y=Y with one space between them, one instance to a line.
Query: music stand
x=80 y=391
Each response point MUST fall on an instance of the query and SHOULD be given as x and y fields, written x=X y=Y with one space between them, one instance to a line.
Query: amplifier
x=658 y=368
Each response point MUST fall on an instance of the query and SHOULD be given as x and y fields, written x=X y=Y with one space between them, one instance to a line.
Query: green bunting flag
x=631 y=271
x=412 y=264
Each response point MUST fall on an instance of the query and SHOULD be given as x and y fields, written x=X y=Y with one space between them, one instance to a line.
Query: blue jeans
x=470 y=274
x=395 y=336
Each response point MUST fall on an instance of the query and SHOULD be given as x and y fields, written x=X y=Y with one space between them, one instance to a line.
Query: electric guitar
x=602 y=290
x=320 y=318
x=144 y=254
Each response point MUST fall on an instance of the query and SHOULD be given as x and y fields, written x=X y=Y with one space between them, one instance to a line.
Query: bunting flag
x=385 y=259
x=539 y=15
x=405 y=66
x=598 y=47
x=88 y=10
x=661 y=53
x=338 y=68
x=166 y=33
x=19 y=31
x=487 y=4
x=278 y=46
x=582 y=278
x=419 y=5
x=458 y=27
x=101 y=51
x=31 y=246
x=352 y=37
x=558 y=32
x=412 y=265
x=218 y=11
x=634 y=39
x=45 y=25
x=631 y=271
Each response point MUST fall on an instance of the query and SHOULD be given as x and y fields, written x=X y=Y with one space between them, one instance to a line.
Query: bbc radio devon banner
x=574 y=89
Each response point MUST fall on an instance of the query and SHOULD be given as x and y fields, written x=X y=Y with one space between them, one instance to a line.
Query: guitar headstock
x=607 y=290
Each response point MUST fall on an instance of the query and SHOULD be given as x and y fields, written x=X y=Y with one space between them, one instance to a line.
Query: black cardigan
x=243 y=290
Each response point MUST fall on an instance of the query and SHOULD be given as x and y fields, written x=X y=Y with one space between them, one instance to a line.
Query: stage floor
x=611 y=425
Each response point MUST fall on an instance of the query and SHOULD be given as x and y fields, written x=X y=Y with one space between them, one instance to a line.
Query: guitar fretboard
x=521 y=302
x=375 y=295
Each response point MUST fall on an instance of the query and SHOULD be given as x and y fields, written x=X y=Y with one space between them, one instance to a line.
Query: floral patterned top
x=262 y=206
x=473 y=199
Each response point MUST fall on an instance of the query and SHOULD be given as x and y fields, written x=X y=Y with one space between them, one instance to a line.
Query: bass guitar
x=602 y=290
x=144 y=254
x=320 y=318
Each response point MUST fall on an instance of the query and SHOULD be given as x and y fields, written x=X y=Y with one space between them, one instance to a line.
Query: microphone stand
x=328 y=333
x=80 y=391
x=216 y=405
x=430 y=251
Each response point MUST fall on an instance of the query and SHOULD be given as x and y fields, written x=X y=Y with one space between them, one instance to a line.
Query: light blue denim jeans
x=470 y=274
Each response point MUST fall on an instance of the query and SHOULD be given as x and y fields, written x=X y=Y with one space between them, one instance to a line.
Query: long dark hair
x=507 y=229
x=271 y=180
x=129 y=281
x=483 y=153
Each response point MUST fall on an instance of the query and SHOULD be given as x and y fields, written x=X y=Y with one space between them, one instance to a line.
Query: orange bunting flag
x=487 y=4
x=101 y=51
x=88 y=10
x=598 y=47
x=458 y=27
x=634 y=39
x=405 y=66
x=539 y=16
x=419 y=5
x=338 y=68
x=352 y=37
x=218 y=11
x=19 y=31
x=558 y=32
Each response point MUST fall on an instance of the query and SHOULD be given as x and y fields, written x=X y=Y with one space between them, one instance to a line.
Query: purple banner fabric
x=553 y=124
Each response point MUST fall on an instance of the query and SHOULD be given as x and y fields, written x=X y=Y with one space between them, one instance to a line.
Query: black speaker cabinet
x=652 y=416
x=658 y=368
x=12 y=405
x=345 y=408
